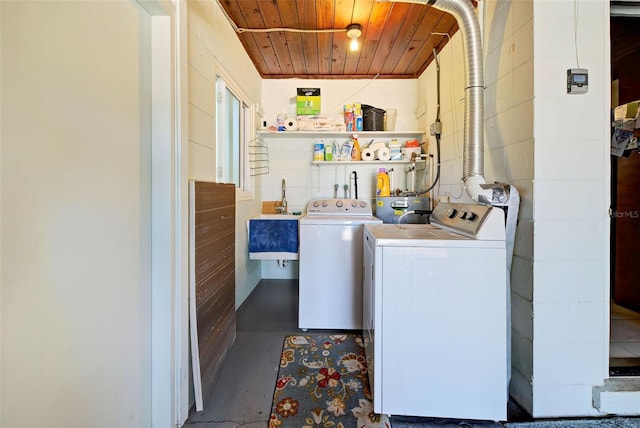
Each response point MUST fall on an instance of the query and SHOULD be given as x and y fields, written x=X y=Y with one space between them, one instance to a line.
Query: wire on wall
x=291 y=30
x=575 y=30
x=453 y=119
x=351 y=97
x=270 y=30
x=437 y=132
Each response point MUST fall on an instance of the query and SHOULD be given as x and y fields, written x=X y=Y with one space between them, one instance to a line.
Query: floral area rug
x=322 y=382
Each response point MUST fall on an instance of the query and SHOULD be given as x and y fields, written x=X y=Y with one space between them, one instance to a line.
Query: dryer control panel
x=472 y=220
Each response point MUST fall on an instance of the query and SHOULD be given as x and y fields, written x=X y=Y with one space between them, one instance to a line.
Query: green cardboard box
x=308 y=101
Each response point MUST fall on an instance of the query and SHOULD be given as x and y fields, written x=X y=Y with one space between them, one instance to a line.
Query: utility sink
x=273 y=237
x=277 y=217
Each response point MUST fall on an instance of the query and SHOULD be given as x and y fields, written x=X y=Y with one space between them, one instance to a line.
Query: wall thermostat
x=577 y=80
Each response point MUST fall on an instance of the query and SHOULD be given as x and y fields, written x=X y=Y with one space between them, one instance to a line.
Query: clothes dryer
x=435 y=314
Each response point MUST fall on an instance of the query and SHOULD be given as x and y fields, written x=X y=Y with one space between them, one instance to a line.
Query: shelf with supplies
x=379 y=162
x=362 y=135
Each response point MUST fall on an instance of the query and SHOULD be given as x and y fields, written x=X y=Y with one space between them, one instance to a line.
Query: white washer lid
x=338 y=219
x=423 y=235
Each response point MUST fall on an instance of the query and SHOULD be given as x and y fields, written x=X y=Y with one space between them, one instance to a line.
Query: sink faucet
x=283 y=206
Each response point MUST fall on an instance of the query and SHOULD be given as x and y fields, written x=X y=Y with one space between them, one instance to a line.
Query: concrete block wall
x=559 y=279
x=451 y=114
x=571 y=201
x=509 y=104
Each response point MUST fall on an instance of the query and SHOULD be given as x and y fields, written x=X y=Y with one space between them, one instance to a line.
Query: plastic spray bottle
x=356 y=153
x=383 y=188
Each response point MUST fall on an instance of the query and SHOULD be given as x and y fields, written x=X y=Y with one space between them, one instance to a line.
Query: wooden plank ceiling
x=397 y=38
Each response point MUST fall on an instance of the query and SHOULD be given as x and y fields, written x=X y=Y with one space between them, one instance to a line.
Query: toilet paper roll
x=291 y=125
x=383 y=154
x=368 y=154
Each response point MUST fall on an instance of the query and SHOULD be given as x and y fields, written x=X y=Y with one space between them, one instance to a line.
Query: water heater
x=403 y=209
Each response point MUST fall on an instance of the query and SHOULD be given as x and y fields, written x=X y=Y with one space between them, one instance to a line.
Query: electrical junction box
x=435 y=128
x=577 y=81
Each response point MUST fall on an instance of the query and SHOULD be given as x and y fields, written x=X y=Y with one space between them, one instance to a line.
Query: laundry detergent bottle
x=383 y=188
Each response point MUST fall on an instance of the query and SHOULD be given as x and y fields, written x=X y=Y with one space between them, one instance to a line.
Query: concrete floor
x=243 y=391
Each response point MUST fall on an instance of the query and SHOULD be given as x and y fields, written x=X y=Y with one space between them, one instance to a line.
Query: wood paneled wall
x=212 y=260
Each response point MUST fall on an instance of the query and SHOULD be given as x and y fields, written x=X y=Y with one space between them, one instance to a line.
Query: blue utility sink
x=273 y=237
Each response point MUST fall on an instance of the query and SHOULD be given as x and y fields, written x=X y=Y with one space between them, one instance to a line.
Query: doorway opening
x=624 y=339
x=624 y=342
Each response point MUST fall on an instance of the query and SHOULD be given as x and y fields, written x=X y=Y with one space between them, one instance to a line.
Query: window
x=234 y=131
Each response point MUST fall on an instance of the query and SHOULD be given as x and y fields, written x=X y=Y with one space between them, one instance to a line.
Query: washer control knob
x=339 y=204
x=464 y=214
x=324 y=204
x=354 y=204
x=452 y=212
x=363 y=204
x=316 y=204
x=472 y=216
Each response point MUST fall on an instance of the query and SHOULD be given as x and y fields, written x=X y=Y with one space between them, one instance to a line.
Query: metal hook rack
x=258 y=157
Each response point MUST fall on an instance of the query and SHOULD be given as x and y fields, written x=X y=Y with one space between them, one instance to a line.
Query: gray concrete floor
x=242 y=394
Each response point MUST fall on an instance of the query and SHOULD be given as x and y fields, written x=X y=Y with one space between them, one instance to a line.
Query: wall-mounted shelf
x=362 y=135
x=379 y=162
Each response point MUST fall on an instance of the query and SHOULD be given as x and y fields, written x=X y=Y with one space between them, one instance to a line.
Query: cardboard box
x=330 y=123
x=308 y=101
x=626 y=111
x=627 y=124
x=306 y=123
x=321 y=123
x=353 y=117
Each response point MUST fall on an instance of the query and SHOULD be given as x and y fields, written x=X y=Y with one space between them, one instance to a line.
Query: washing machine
x=330 y=267
x=435 y=314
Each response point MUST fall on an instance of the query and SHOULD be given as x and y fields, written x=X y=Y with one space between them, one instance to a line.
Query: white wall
x=571 y=200
x=508 y=44
x=75 y=200
x=213 y=45
x=290 y=158
x=278 y=96
x=532 y=129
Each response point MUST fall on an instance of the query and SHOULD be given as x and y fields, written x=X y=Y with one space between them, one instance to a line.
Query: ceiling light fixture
x=354 y=31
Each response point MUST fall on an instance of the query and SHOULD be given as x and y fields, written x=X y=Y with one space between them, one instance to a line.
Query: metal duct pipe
x=464 y=13
x=473 y=149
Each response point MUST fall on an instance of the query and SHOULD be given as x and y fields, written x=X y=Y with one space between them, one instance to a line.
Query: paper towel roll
x=377 y=145
x=368 y=154
x=383 y=154
x=291 y=125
